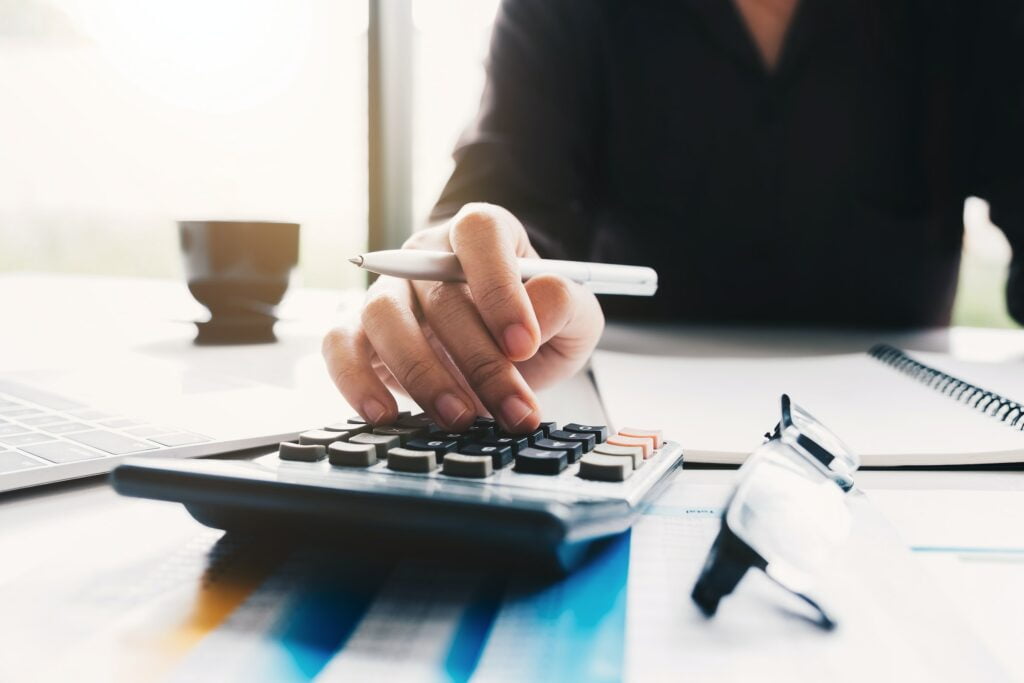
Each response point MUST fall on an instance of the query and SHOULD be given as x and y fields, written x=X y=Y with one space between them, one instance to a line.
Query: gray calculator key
x=12 y=462
x=475 y=466
x=179 y=439
x=319 y=437
x=403 y=433
x=380 y=442
x=300 y=452
x=61 y=451
x=634 y=453
x=115 y=444
x=346 y=454
x=605 y=467
x=22 y=439
x=404 y=460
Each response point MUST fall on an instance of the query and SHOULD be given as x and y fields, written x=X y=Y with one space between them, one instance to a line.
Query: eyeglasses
x=786 y=515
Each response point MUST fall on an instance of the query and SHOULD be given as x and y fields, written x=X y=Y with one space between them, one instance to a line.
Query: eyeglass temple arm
x=728 y=560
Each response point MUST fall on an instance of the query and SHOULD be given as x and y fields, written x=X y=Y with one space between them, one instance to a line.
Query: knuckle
x=379 y=306
x=413 y=372
x=482 y=369
x=499 y=295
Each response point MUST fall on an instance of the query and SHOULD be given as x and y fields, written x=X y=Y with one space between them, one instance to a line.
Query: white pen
x=444 y=266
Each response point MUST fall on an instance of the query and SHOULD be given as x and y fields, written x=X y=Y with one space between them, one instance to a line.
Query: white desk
x=113 y=557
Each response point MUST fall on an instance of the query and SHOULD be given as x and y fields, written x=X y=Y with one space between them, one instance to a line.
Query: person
x=777 y=161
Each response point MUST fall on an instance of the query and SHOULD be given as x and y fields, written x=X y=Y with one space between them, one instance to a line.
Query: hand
x=460 y=350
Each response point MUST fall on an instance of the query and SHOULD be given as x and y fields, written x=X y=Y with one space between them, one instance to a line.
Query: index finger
x=488 y=240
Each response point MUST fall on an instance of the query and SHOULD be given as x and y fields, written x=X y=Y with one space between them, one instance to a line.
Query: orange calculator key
x=653 y=434
x=622 y=440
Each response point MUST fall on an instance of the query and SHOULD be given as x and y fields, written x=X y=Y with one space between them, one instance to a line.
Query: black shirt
x=828 y=190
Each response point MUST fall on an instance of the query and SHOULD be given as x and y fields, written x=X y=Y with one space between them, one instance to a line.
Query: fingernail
x=518 y=341
x=374 y=410
x=450 y=407
x=514 y=410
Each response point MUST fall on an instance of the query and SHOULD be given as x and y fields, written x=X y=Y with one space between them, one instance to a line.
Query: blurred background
x=120 y=117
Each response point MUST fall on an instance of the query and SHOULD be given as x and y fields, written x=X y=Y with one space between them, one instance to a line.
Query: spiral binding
x=988 y=402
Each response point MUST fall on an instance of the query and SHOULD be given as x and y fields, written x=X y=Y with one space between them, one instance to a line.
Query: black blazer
x=828 y=191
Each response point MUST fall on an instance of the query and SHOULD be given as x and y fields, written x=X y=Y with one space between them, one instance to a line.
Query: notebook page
x=719 y=408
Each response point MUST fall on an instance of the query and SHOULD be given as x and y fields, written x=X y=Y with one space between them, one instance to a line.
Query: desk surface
x=118 y=589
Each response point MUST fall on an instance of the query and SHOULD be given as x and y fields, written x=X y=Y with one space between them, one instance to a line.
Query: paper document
x=720 y=408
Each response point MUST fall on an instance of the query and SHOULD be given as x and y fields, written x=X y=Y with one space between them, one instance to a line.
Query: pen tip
x=358 y=260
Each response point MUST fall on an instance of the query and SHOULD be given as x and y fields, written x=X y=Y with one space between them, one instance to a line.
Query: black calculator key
x=438 y=433
x=485 y=422
x=479 y=432
x=422 y=420
x=501 y=455
x=600 y=432
x=529 y=436
x=548 y=427
x=300 y=452
x=537 y=461
x=516 y=443
x=405 y=460
x=438 y=446
x=587 y=440
x=573 y=449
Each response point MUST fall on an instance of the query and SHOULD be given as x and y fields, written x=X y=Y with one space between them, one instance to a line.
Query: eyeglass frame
x=730 y=557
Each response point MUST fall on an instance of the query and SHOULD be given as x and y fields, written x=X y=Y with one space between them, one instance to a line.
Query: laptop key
x=11 y=461
x=22 y=439
x=115 y=444
x=65 y=427
x=61 y=451
x=41 y=419
x=6 y=430
x=179 y=439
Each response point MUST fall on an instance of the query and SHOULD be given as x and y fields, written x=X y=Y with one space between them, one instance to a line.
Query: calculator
x=547 y=499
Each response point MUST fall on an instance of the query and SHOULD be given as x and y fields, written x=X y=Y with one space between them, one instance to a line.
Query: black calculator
x=546 y=499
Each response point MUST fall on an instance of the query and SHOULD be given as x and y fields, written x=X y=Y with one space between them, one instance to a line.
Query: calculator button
x=459 y=465
x=537 y=461
x=600 y=432
x=356 y=420
x=573 y=449
x=500 y=455
x=403 y=433
x=653 y=434
x=479 y=432
x=348 y=454
x=415 y=421
x=485 y=422
x=301 y=452
x=516 y=443
x=319 y=437
x=634 y=453
x=405 y=460
x=438 y=434
x=348 y=428
x=605 y=467
x=620 y=440
x=380 y=442
x=438 y=446
x=530 y=437
x=588 y=441
x=548 y=427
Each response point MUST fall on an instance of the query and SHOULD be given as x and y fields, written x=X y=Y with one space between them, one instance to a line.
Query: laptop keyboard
x=38 y=428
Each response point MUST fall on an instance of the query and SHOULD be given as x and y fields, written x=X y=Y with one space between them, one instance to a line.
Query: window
x=121 y=117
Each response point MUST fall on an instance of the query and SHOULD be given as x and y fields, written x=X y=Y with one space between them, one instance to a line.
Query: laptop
x=60 y=424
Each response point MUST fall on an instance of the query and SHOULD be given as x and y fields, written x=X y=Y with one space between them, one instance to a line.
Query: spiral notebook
x=893 y=408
